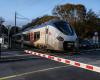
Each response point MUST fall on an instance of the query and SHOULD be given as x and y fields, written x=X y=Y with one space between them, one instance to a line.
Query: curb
x=66 y=61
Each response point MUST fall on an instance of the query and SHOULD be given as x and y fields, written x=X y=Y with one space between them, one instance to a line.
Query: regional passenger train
x=54 y=35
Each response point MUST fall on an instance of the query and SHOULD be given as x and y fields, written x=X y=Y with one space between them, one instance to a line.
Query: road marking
x=32 y=72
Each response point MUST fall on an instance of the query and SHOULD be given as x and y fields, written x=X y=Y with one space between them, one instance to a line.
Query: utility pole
x=22 y=18
x=15 y=18
x=15 y=23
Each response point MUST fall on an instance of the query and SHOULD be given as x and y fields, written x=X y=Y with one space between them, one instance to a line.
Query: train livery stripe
x=66 y=61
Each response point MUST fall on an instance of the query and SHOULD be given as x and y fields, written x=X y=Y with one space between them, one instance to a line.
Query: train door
x=46 y=37
x=49 y=38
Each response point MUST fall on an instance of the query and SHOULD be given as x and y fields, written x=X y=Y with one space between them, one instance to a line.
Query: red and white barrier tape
x=66 y=61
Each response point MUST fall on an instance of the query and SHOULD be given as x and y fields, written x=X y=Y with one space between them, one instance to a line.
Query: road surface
x=43 y=69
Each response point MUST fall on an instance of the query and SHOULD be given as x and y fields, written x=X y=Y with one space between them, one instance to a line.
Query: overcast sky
x=36 y=8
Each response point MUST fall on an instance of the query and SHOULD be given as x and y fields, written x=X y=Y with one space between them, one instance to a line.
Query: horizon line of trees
x=4 y=28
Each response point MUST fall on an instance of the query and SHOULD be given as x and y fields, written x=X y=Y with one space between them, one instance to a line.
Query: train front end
x=66 y=35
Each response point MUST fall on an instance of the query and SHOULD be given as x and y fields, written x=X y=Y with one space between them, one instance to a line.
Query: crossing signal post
x=96 y=39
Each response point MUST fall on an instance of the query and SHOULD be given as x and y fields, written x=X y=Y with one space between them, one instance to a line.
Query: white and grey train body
x=54 y=35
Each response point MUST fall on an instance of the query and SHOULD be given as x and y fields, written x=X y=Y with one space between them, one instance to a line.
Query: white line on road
x=32 y=72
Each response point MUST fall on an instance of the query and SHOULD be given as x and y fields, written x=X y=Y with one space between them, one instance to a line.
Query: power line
x=23 y=18
x=19 y=16
x=50 y=7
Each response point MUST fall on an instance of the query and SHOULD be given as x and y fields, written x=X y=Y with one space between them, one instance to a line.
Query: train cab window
x=63 y=27
x=36 y=35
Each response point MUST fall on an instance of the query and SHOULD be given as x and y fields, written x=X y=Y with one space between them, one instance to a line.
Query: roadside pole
x=96 y=40
x=0 y=41
x=22 y=45
x=0 y=50
x=9 y=39
x=0 y=46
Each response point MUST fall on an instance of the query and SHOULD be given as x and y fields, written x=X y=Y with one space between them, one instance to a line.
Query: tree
x=14 y=30
x=70 y=12
x=81 y=19
x=3 y=29
x=1 y=20
x=92 y=21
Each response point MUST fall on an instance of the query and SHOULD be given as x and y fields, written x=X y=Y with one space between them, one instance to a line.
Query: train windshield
x=64 y=27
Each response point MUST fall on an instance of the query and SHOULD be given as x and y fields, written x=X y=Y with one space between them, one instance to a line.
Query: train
x=54 y=35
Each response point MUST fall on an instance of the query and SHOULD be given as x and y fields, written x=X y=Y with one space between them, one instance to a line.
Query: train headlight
x=60 y=38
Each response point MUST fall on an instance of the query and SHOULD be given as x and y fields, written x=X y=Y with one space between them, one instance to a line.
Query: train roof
x=50 y=22
x=43 y=24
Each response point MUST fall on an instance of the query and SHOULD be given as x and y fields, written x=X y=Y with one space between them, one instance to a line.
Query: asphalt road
x=43 y=69
x=87 y=56
x=90 y=56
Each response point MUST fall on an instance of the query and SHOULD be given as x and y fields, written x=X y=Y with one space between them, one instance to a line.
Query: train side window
x=36 y=35
x=26 y=37
x=18 y=37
